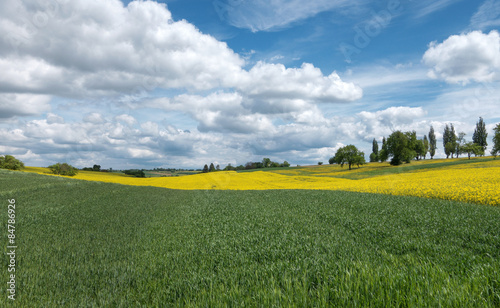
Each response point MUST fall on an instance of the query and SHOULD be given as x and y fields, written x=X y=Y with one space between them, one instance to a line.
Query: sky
x=183 y=83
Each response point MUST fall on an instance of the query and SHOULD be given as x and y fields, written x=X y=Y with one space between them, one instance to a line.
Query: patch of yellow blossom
x=472 y=182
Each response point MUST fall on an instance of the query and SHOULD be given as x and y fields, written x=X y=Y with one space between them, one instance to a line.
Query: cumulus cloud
x=382 y=123
x=64 y=60
x=473 y=56
x=306 y=82
x=13 y=104
x=100 y=47
x=93 y=49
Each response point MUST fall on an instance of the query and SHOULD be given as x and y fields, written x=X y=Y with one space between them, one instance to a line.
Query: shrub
x=10 y=162
x=63 y=169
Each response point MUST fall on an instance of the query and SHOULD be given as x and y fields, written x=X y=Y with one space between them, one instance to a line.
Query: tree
x=460 y=143
x=449 y=140
x=374 y=156
x=496 y=141
x=382 y=154
x=480 y=134
x=217 y=168
x=471 y=148
x=212 y=168
x=205 y=169
x=426 y=146
x=63 y=169
x=349 y=155
x=413 y=144
x=96 y=168
x=286 y=164
x=399 y=147
x=449 y=149
x=432 y=142
x=11 y=163
x=266 y=162
x=420 y=149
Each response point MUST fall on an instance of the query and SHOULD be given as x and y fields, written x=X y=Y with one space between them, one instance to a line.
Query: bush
x=135 y=172
x=10 y=162
x=63 y=169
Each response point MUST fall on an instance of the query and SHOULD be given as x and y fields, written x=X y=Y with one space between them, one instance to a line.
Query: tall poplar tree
x=446 y=140
x=496 y=141
x=432 y=142
x=374 y=156
x=480 y=134
x=426 y=146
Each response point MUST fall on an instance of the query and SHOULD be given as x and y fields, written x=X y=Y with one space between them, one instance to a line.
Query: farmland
x=474 y=180
x=89 y=243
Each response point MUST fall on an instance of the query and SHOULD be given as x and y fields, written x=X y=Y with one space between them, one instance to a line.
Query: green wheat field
x=91 y=244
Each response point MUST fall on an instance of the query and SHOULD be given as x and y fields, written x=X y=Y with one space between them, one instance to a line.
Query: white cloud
x=474 y=56
x=384 y=122
x=428 y=7
x=306 y=82
x=127 y=119
x=12 y=104
x=94 y=118
x=262 y=15
x=487 y=16
x=96 y=49
x=102 y=47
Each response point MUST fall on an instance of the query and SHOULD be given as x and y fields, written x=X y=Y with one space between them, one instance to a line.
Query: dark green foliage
x=426 y=146
x=63 y=169
x=383 y=156
x=449 y=140
x=400 y=146
x=266 y=162
x=460 y=143
x=11 y=163
x=96 y=168
x=349 y=155
x=211 y=168
x=374 y=157
x=432 y=142
x=480 y=134
x=496 y=141
x=472 y=148
x=229 y=168
x=135 y=172
x=88 y=244
x=419 y=149
x=205 y=169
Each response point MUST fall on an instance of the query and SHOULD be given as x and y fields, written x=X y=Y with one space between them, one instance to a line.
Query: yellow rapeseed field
x=477 y=182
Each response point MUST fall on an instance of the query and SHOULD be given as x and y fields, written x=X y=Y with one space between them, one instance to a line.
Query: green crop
x=95 y=244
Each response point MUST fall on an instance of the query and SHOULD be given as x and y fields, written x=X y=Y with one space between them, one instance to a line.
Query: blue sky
x=144 y=84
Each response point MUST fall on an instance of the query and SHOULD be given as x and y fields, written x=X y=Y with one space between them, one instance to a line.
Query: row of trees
x=265 y=163
x=404 y=146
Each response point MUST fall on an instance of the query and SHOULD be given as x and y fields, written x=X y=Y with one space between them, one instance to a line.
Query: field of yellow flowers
x=476 y=181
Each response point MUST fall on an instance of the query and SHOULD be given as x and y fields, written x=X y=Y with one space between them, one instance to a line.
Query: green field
x=94 y=244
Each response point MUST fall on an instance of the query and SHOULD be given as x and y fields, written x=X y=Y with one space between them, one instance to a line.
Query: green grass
x=95 y=244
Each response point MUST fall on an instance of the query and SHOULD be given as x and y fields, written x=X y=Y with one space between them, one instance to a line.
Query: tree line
x=265 y=163
x=402 y=147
